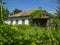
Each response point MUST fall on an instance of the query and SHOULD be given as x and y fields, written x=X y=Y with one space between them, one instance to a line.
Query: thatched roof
x=22 y=14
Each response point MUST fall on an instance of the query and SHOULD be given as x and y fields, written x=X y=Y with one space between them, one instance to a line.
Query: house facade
x=24 y=18
x=19 y=18
x=17 y=21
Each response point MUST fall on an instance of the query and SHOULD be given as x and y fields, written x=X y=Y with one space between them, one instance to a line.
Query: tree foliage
x=3 y=12
x=15 y=11
x=58 y=9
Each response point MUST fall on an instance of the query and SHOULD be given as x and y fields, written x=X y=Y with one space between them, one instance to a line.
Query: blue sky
x=49 y=5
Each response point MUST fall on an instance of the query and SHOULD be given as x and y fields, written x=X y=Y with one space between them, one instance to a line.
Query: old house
x=19 y=18
x=24 y=18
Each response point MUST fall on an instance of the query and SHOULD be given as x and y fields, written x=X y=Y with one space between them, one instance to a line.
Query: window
x=11 y=21
x=23 y=21
x=17 y=22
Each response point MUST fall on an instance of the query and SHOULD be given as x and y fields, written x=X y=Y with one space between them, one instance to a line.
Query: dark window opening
x=17 y=22
x=23 y=21
x=11 y=21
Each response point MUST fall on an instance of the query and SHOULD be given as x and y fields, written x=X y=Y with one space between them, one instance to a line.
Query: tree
x=58 y=9
x=15 y=11
x=3 y=12
x=58 y=12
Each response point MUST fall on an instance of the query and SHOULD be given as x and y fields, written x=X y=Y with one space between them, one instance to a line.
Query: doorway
x=43 y=22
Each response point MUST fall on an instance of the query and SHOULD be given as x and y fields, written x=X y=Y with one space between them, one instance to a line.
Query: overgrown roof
x=32 y=13
x=38 y=13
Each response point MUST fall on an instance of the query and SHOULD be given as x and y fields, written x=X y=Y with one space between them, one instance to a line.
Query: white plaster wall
x=14 y=22
x=19 y=21
x=27 y=21
x=7 y=22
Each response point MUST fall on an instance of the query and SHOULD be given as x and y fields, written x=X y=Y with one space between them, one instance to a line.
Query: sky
x=49 y=5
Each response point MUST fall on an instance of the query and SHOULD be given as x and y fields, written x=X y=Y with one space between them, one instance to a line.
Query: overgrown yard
x=27 y=35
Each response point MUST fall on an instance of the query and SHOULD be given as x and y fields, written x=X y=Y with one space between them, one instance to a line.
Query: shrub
x=8 y=34
x=25 y=35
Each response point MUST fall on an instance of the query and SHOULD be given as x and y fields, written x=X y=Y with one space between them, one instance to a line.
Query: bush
x=25 y=35
x=8 y=34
